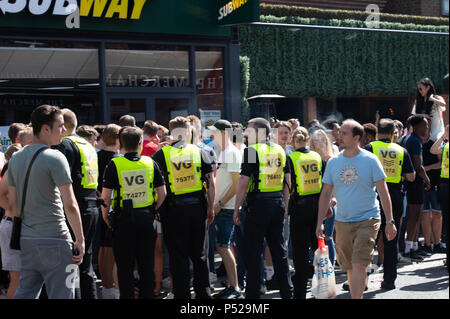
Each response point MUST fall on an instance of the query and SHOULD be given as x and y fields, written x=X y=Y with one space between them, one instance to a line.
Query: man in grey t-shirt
x=48 y=254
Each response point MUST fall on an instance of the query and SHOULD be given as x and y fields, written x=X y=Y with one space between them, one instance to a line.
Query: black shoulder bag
x=17 y=221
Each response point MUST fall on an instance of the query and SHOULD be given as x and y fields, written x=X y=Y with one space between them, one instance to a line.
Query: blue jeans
x=328 y=232
x=224 y=228
x=49 y=261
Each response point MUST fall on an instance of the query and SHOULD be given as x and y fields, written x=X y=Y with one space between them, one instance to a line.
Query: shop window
x=35 y=72
x=140 y=65
x=444 y=6
x=210 y=83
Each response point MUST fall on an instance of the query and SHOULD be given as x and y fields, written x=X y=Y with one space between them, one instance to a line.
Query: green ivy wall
x=324 y=63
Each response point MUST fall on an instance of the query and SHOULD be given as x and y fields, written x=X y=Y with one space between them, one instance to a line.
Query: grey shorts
x=10 y=257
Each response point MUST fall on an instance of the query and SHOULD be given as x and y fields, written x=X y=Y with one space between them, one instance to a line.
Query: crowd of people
x=145 y=210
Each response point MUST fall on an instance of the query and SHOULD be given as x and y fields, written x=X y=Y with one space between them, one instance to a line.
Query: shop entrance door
x=159 y=108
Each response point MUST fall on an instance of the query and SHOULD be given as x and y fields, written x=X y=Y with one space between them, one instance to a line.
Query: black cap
x=221 y=125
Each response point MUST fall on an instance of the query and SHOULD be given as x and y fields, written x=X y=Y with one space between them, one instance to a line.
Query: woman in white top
x=431 y=105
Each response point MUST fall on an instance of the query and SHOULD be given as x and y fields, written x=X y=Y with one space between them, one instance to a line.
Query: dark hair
x=99 y=128
x=127 y=120
x=422 y=106
x=150 y=128
x=370 y=129
x=313 y=123
x=259 y=122
x=416 y=119
x=43 y=115
x=330 y=123
x=386 y=126
x=14 y=130
x=130 y=137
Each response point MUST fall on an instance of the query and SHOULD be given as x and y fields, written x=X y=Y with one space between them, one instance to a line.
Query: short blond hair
x=70 y=119
x=110 y=134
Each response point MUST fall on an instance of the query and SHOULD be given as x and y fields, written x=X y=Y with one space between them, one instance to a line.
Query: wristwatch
x=390 y=222
x=221 y=204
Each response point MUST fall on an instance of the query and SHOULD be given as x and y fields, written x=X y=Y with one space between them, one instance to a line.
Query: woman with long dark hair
x=431 y=105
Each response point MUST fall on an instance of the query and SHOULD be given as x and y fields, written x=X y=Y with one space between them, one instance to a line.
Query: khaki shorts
x=355 y=242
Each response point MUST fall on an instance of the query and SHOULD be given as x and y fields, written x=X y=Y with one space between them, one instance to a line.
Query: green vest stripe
x=89 y=162
x=307 y=169
x=444 y=162
x=135 y=180
x=272 y=159
x=391 y=157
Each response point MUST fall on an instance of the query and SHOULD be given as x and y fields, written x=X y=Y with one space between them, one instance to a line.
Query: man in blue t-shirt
x=353 y=176
x=415 y=190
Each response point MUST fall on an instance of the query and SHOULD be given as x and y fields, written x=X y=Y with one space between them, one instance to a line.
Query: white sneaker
x=108 y=293
x=169 y=296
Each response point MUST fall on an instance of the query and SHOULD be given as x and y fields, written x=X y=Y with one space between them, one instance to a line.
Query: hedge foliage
x=245 y=80
x=324 y=63
x=304 y=12
x=354 y=23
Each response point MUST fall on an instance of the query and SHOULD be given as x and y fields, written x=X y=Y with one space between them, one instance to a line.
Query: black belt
x=8 y=218
x=267 y=195
x=187 y=201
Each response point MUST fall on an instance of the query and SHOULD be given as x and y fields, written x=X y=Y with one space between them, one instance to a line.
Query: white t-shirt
x=437 y=122
x=229 y=162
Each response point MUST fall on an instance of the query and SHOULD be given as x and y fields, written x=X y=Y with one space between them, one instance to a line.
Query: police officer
x=396 y=162
x=138 y=191
x=265 y=180
x=82 y=159
x=306 y=169
x=186 y=209
x=440 y=147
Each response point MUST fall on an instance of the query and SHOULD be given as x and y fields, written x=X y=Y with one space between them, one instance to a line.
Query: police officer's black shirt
x=104 y=157
x=206 y=168
x=407 y=165
x=250 y=163
x=72 y=154
x=291 y=167
x=111 y=179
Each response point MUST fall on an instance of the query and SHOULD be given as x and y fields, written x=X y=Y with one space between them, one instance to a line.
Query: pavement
x=428 y=279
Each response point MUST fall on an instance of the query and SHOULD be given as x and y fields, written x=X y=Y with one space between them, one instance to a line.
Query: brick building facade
x=430 y=8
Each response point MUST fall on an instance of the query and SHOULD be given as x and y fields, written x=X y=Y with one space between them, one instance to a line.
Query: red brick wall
x=430 y=8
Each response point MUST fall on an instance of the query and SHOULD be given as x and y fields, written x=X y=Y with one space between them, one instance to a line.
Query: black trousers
x=303 y=223
x=89 y=215
x=134 y=242
x=184 y=227
x=264 y=219
x=390 y=247
x=443 y=201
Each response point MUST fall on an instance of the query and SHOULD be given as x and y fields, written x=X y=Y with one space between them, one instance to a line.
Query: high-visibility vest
x=135 y=180
x=307 y=169
x=272 y=159
x=183 y=169
x=89 y=162
x=444 y=162
x=391 y=157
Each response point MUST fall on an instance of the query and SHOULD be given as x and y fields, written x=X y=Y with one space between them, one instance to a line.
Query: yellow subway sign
x=237 y=11
x=124 y=9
